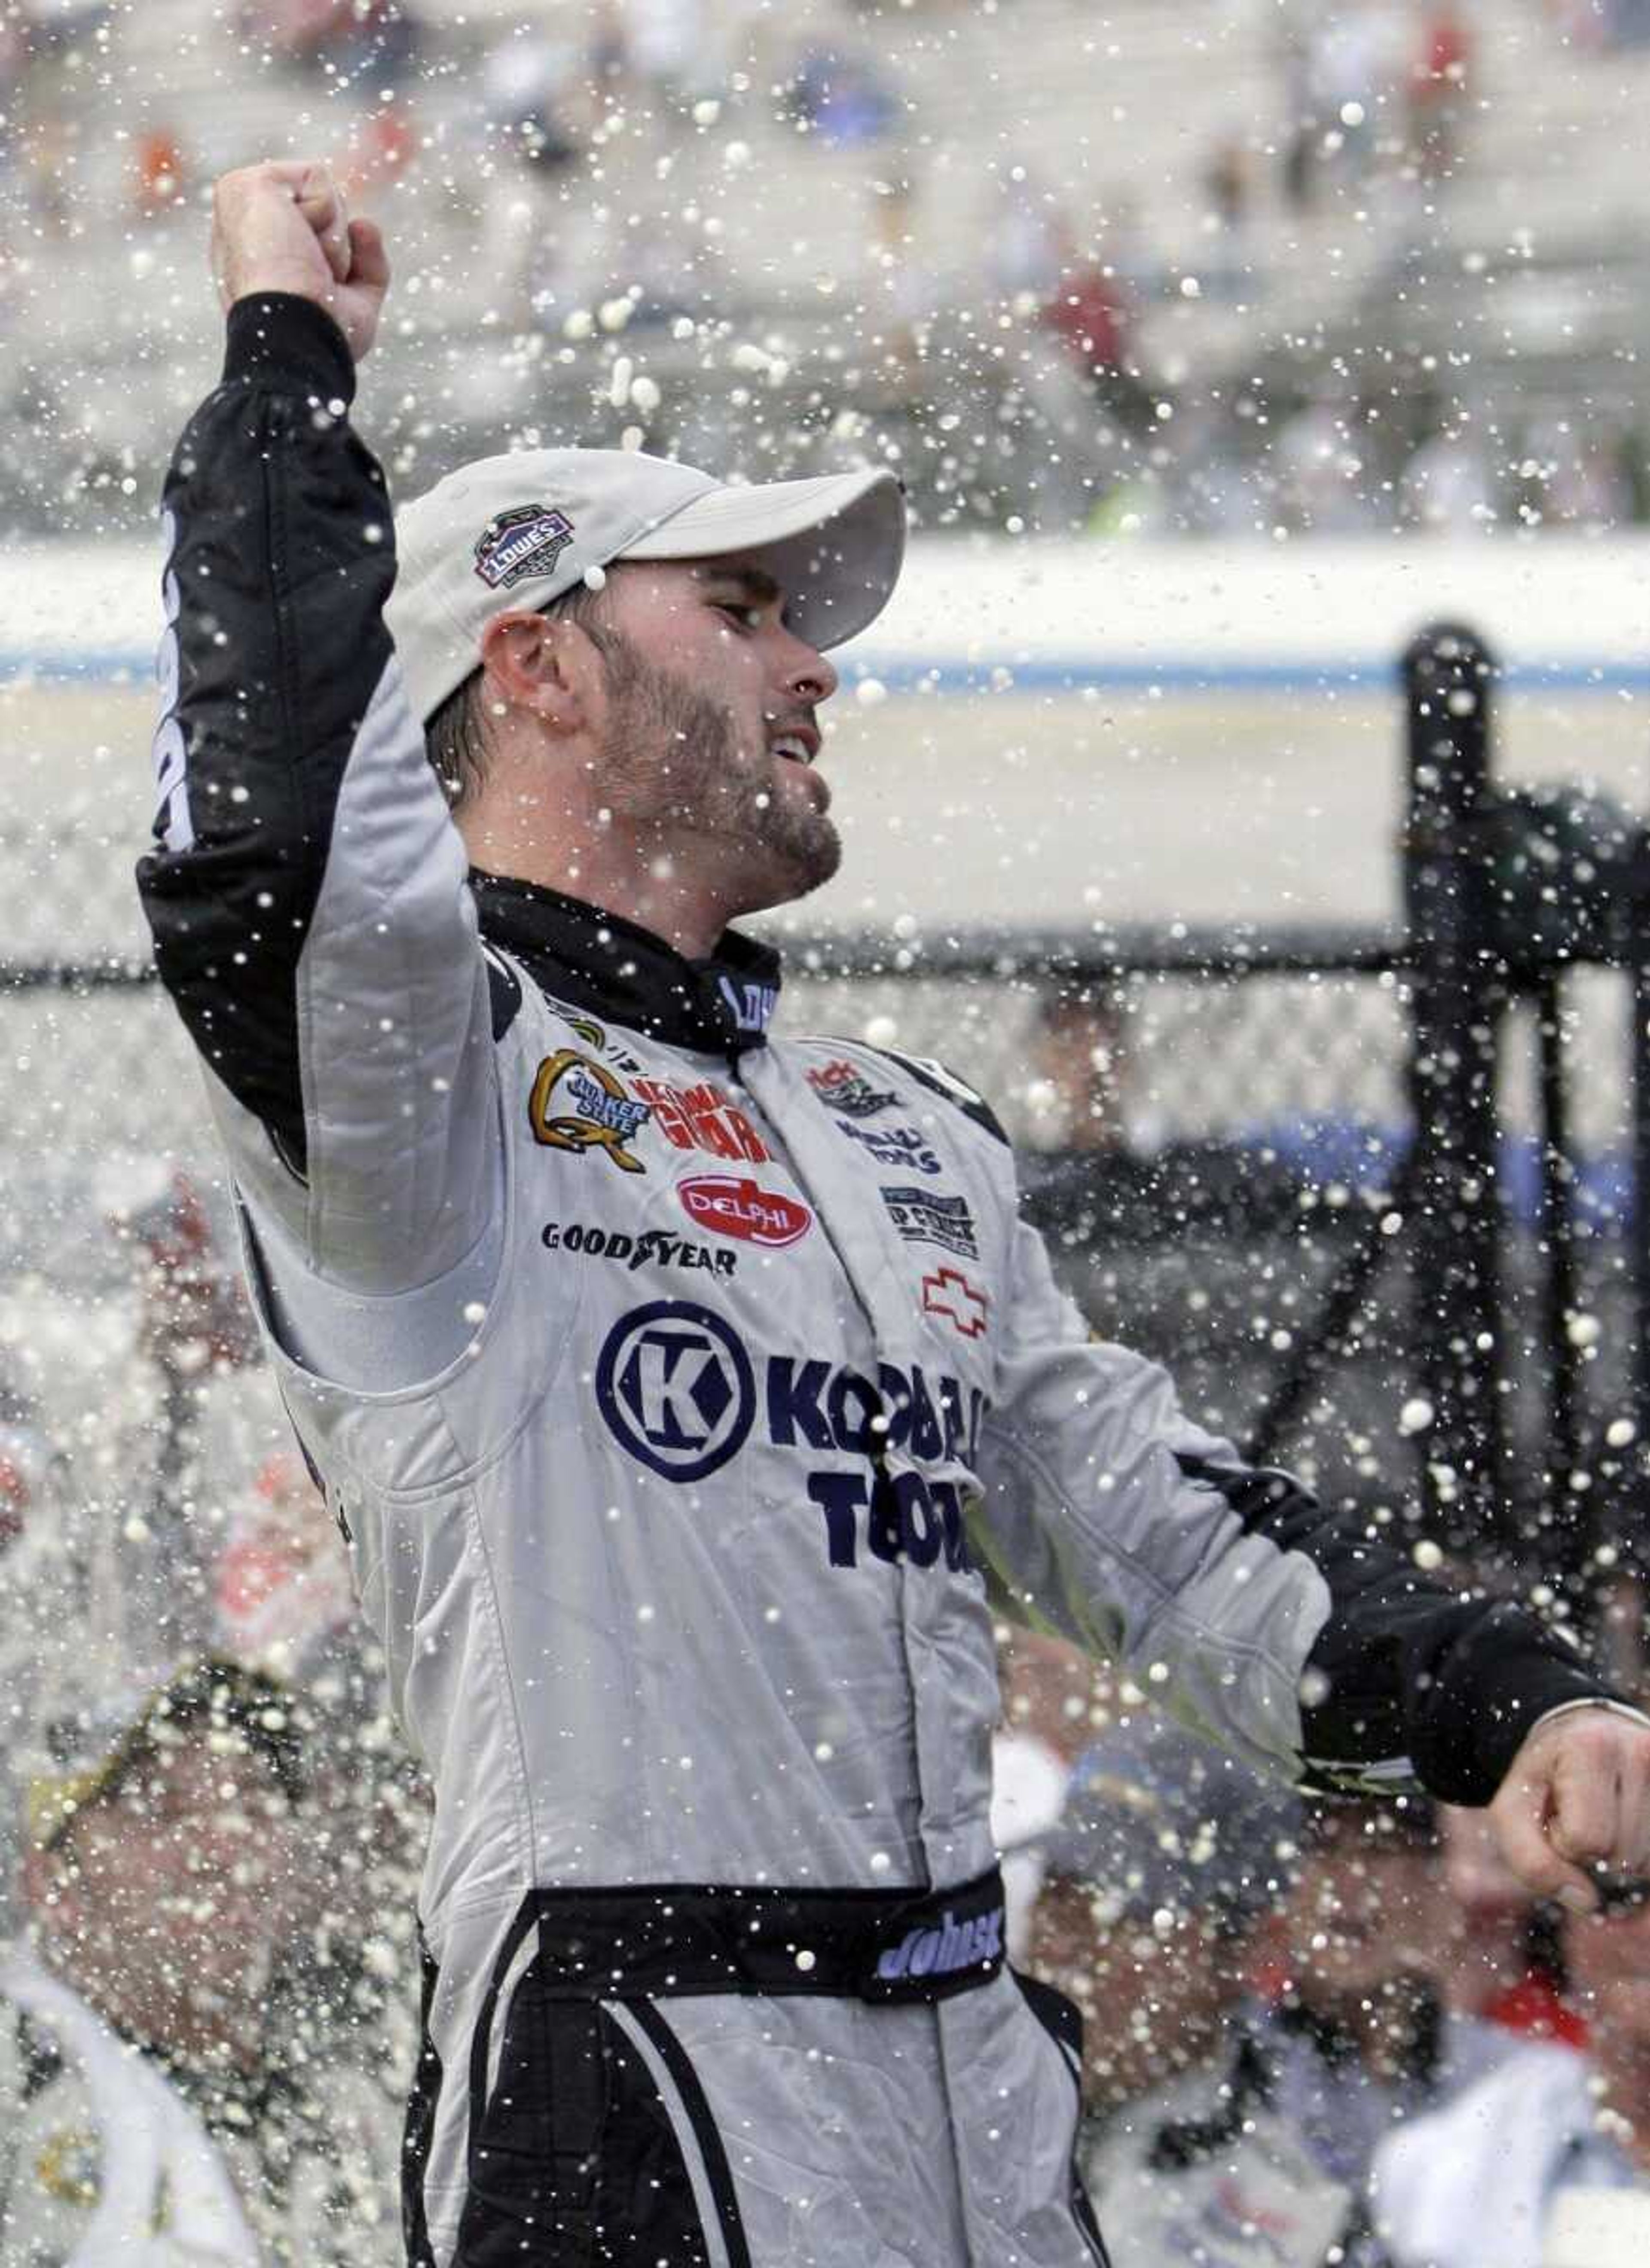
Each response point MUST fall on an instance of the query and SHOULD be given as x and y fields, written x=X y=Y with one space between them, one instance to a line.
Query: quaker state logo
x=579 y=1105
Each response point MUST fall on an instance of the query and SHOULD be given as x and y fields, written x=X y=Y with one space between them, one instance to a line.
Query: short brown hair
x=457 y=740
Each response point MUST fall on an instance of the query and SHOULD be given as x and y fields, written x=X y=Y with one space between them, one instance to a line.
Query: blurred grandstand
x=1334 y=267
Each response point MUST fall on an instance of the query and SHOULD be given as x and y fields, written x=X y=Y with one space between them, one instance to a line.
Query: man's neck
x=658 y=892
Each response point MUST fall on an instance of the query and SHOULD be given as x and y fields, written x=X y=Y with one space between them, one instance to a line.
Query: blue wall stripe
x=1056 y=674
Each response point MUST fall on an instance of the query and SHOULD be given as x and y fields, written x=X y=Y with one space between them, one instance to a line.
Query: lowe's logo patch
x=528 y=541
x=942 y=1952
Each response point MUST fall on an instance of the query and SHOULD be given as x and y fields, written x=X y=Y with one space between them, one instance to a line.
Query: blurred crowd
x=1041 y=288
x=1317 y=2032
x=210 y=1834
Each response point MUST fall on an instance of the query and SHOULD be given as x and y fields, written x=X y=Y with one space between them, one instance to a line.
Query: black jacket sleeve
x=306 y=892
x=1403 y=1668
x=1278 y=1630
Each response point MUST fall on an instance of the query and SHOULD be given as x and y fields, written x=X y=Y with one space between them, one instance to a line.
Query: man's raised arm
x=307 y=896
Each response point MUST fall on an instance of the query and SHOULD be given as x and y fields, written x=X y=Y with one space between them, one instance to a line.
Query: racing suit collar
x=603 y=962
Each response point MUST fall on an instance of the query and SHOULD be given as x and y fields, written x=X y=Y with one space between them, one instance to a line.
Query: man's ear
x=546 y=667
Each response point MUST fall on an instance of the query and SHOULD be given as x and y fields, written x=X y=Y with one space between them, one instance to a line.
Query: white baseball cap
x=521 y=530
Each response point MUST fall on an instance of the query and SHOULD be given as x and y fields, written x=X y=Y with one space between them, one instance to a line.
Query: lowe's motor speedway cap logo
x=676 y=1389
x=528 y=541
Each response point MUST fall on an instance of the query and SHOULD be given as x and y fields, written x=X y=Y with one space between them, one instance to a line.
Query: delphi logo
x=528 y=541
x=734 y=1206
x=602 y=1116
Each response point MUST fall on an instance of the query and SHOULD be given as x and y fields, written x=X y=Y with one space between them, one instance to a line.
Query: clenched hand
x=1576 y=1804
x=281 y=226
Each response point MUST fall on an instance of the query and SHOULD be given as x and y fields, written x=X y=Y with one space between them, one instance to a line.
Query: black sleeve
x=1403 y=1669
x=307 y=894
x=281 y=559
x=1286 y=1634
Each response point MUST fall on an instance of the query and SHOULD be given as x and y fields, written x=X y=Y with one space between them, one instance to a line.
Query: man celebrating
x=677 y=1387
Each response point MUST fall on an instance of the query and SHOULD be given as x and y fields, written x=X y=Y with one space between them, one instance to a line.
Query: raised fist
x=281 y=226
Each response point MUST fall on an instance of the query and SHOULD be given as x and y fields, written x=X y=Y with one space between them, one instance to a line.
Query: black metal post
x=1639 y=1232
x=1458 y=1011
x=1562 y=1293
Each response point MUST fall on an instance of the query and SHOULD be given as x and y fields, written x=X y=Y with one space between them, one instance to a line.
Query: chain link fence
x=1211 y=1129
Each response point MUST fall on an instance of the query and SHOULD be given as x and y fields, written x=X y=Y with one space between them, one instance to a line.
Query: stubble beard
x=671 y=761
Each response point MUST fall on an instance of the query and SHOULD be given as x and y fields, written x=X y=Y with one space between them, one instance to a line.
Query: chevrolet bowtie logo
x=949 y=1294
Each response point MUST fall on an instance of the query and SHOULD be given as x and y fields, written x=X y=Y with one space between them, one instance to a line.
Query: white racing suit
x=678 y=1389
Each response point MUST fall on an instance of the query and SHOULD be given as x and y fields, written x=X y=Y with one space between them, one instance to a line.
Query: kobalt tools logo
x=678 y=1393
x=734 y=1206
x=528 y=541
x=949 y=1294
x=602 y=1116
x=676 y=1389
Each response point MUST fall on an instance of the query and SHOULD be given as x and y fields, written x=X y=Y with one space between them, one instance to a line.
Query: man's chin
x=795 y=868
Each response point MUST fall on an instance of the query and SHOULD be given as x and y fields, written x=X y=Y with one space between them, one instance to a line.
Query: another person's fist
x=281 y=226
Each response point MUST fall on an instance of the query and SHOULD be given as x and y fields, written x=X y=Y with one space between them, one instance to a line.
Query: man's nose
x=808 y=677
